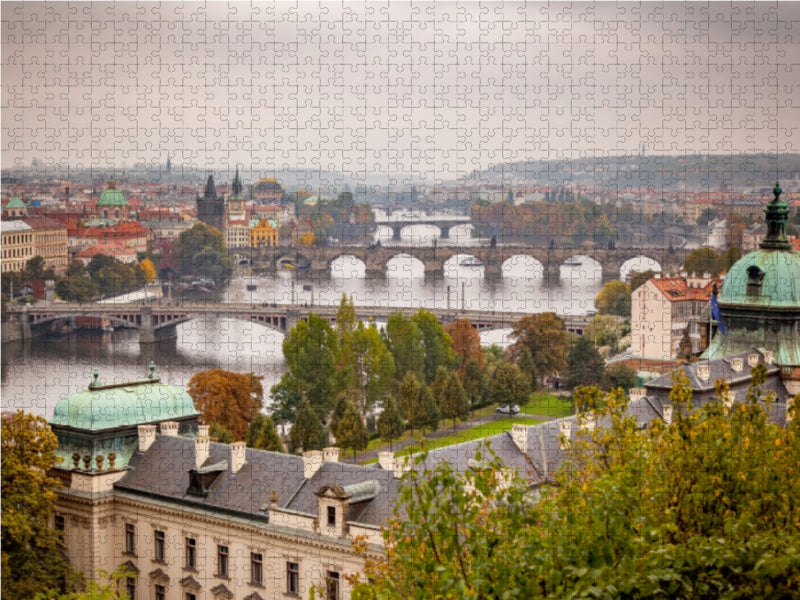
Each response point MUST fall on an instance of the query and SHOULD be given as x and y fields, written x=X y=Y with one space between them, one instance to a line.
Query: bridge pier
x=552 y=274
x=397 y=233
x=445 y=235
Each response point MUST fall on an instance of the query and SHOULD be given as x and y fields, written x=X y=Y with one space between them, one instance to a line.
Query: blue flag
x=715 y=314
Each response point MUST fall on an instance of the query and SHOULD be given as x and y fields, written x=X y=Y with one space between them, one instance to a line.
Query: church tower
x=211 y=207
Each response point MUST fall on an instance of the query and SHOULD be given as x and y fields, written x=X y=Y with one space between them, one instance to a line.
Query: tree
x=345 y=316
x=584 y=364
x=94 y=590
x=230 y=399
x=220 y=434
x=466 y=341
x=403 y=338
x=33 y=558
x=286 y=401
x=639 y=279
x=727 y=259
x=201 y=252
x=312 y=356
x=715 y=516
x=620 y=375
x=147 y=267
x=604 y=330
x=527 y=366
x=475 y=385
x=307 y=432
x=614 y=298
x=509 y=385
x=263 y=435
x=390 y=421
x=495 y=356
x=408 y=396
x=545 y=337
x=348 y=427
x=452 y=399
x=426 y=413
x=437 y=345
x=370 y=367
x=702 y=260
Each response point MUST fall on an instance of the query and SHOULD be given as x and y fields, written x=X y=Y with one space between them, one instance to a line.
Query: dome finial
x=777 y=215
x=777 y=191
x=152 y=370
x=95 y=377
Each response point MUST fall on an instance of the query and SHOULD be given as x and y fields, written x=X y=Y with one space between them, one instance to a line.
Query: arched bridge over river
x=157 y=320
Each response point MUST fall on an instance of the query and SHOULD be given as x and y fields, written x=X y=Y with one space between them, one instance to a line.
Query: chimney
x=147 y=435
x=703 y=372
x=666 y=413
x=636 y=393
x=737 y=364
x=202 y=430
x=312 y=461
x=768 y=356
x=330 y=454
x=519 y=433
x=401 y=465
x=386 y=460
x=238 y=456
x=169 y=428
x=752 y=359
x=201 y=451
x=564 y=431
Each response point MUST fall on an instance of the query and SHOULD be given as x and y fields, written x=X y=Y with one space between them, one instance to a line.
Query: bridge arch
x=522 y=265
x=347 y=266
x=404 y=265
x=638 y=264
x=463 y=265
x=582 y=266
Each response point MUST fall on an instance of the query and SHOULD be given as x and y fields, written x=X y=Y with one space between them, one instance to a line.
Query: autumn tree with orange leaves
x=466 y=341
x=229 y=399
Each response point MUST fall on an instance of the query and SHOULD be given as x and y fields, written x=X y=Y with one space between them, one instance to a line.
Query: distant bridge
x=158 y=320
x=317 y=261
x=444 y=224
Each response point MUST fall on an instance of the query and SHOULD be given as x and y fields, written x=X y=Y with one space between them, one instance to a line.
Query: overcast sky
x=433 y=90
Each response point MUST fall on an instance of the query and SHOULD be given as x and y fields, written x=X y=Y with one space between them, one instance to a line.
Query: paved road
x=363 y=457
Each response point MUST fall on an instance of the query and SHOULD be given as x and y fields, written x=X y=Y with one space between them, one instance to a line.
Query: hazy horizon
x=428 y=91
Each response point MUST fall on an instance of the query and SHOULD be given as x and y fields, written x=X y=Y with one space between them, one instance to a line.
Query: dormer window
x=755 y=278
x=331 y=516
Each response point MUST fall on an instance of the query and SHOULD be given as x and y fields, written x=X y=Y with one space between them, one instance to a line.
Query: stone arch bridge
x=317 y=261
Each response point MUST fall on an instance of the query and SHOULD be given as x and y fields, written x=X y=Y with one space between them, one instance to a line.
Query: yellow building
x=50 y=242
x=18 y=246
x=263 y=234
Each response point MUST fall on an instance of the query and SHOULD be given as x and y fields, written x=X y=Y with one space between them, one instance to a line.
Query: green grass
x=548 y=405
x=481 y=431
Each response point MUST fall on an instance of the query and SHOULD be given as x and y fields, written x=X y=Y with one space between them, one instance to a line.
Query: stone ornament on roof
x=777 y=215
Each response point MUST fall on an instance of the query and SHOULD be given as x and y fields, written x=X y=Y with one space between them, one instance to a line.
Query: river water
x=37 y=374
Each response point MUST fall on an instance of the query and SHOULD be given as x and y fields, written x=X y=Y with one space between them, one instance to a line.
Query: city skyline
x=435 y=91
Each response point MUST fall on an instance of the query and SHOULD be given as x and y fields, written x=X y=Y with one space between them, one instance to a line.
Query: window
x=190 y=596
x=60 y=523
x=160 y=540
x=191 y=553
x=130 y=587
x=331 y=516
x=332 y=587
x=130 y=538
x=222 y=561
x=256 y=568
x=161 y=592
x=292 y=578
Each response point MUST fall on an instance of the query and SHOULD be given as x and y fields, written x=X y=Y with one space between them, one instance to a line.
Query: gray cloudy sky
x=433 y=90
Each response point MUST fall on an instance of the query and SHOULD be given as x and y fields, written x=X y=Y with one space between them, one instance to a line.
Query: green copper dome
x=111 y=196
x=15 y=202
x=103 y=407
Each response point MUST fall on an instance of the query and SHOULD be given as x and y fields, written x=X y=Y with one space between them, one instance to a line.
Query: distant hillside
x=714 y=172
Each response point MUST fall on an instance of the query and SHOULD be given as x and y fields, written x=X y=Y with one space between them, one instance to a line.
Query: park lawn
x=475 y=433
x=548 y=405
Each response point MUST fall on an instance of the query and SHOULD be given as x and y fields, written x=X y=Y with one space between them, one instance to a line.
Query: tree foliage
x=408 y=397
x=404 y=340
x=466 y=342
x=509 y=385
x=704 y=508
x=230 y=399
x=201 y=252
x=584 y=364
x=437 y=347
x=475 y=383
x=390 y=421
x=312 y=357
x=452 y=399
x=33 y=558
x=263 y=435
x=614 y=298
x=348 y=426
x=307 y=432
x=639 y=279
x=545 y=337
x=370 y=367
x=147 y=267
x=620 y=375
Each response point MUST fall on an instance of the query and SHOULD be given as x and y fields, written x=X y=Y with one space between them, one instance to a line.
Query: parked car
x=508 y=409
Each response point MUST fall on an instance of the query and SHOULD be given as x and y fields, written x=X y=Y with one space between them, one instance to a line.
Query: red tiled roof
x=677 y=289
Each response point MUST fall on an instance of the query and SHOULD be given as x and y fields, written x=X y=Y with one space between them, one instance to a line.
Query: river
x=37 y=374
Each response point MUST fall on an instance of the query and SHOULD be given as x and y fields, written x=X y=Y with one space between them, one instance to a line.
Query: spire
x=777 y=215
x=237 y=186
x=211 y=190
